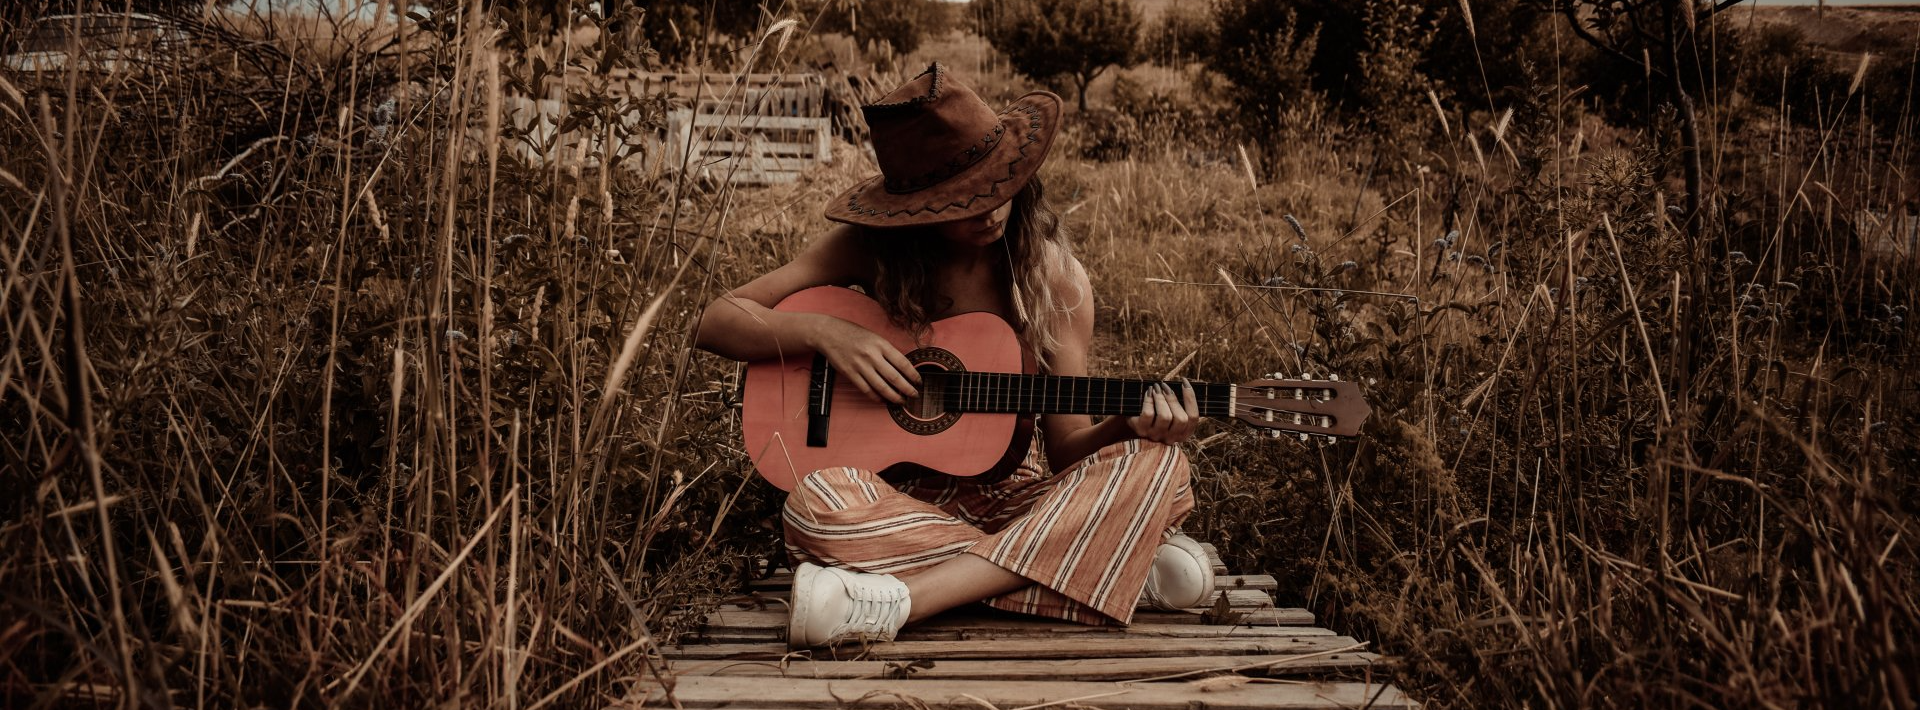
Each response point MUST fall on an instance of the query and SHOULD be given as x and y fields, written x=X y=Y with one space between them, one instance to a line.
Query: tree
x=1391 y=87
x=1183 y=34
x=901 y=24
x=1047 y=39
x=679 y=30
x=1264 y=49
x=1253 y=29
x=1658 y=39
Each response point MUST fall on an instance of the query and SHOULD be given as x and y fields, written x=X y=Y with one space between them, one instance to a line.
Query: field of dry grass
x=316 y=396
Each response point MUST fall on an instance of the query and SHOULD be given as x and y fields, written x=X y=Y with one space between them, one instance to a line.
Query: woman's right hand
x=868 y=360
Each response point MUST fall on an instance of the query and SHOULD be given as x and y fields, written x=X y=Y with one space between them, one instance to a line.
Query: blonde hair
x=1036 y=252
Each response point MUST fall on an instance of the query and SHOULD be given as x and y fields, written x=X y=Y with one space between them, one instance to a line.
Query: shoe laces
x=878 y=610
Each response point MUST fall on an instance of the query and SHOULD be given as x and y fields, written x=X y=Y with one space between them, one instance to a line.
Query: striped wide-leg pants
x=1086 y=536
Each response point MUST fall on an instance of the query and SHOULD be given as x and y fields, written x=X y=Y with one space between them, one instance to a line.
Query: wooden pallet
x=748 y=148
x=760 y=129
x=1255 y=656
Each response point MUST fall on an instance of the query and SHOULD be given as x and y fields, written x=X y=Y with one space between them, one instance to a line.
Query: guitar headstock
x=1303 y=405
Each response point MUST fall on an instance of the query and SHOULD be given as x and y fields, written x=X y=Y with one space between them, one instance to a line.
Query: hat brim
x=981 y=188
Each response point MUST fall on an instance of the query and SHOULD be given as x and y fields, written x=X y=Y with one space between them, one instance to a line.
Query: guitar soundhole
x=927 y=414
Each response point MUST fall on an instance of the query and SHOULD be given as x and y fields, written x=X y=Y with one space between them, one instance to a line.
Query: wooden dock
x=1240 y=652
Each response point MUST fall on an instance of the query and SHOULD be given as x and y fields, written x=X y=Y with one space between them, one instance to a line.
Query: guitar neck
x=1052 y=394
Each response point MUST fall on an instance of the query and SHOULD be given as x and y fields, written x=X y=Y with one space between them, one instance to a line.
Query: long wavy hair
x=1034 y=246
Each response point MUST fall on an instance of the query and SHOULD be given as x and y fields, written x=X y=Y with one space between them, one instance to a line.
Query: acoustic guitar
x=977 y=397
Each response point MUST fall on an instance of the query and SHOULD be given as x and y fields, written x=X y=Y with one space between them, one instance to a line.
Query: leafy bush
x=1050 y=40
x=1263 y=49
x=678 y=30
x=1782 y=70
x=1390 y=89
x=1488 y=52
x=1504 y=36
x=899 y=24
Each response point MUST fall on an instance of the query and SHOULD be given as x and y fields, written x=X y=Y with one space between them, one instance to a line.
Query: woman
x=958 y=222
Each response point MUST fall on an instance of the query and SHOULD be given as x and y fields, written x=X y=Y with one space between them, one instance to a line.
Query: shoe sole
x=796 y=614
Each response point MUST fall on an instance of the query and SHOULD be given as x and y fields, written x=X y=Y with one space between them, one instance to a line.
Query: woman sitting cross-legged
x=956 y=222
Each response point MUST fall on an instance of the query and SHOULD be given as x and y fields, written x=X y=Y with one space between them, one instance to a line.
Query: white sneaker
x=1181 y=577
x=832 y=605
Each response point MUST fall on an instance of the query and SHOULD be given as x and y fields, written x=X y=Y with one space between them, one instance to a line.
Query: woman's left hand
x=1164 y=417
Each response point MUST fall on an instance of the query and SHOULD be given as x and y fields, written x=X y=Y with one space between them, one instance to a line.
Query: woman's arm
x=1165 y=416
x=743 y=325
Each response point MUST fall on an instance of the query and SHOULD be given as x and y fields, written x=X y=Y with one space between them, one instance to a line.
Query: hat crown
x=930 y=129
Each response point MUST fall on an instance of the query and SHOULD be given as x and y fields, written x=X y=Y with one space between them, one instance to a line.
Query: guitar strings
x=1002 y=390
x=970 y=388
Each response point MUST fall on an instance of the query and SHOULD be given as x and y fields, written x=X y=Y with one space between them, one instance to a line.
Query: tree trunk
x=1680 y=38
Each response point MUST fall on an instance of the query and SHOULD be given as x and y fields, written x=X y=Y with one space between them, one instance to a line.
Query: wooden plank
x=774 y=148
x=1236 y=598
x=718 y=163
x=1029 y=648
x=1087 y=669
x=1250 y=617
x=761 y=177
x=780 y=581
x=713 y=692
x=1240 y=599
x=725 y=121
x=962 y=629
x=1219 y=565
x=735 y=616
x=752 y=626
x=1262 y=582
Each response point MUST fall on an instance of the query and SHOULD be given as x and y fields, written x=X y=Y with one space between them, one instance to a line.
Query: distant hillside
x=1878 y=29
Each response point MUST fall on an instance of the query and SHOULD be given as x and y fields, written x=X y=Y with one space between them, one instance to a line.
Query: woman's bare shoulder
x=1069 y=281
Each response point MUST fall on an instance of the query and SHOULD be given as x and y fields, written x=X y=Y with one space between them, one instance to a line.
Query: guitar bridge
x=819 y=400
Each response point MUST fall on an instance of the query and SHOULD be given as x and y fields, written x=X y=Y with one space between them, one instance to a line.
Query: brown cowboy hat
x=944 y=154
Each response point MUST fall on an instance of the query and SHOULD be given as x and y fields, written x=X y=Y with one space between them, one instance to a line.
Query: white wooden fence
x=762 y=129
x=752 y=149
x=767 y=129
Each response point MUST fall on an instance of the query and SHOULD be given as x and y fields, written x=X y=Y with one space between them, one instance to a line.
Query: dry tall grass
x=314 y=395
x=313 y=398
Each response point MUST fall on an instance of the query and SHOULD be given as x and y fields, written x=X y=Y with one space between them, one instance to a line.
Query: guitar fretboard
x=1043 y=394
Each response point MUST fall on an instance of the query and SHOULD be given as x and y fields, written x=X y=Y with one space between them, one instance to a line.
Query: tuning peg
x=1303 y=437
x=1326 y=438
x=1333 y=378
x=1273 y=433
x=1306 y=375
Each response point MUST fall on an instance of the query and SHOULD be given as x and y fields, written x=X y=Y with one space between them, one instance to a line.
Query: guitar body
x=973 y=414
x=782 y=424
